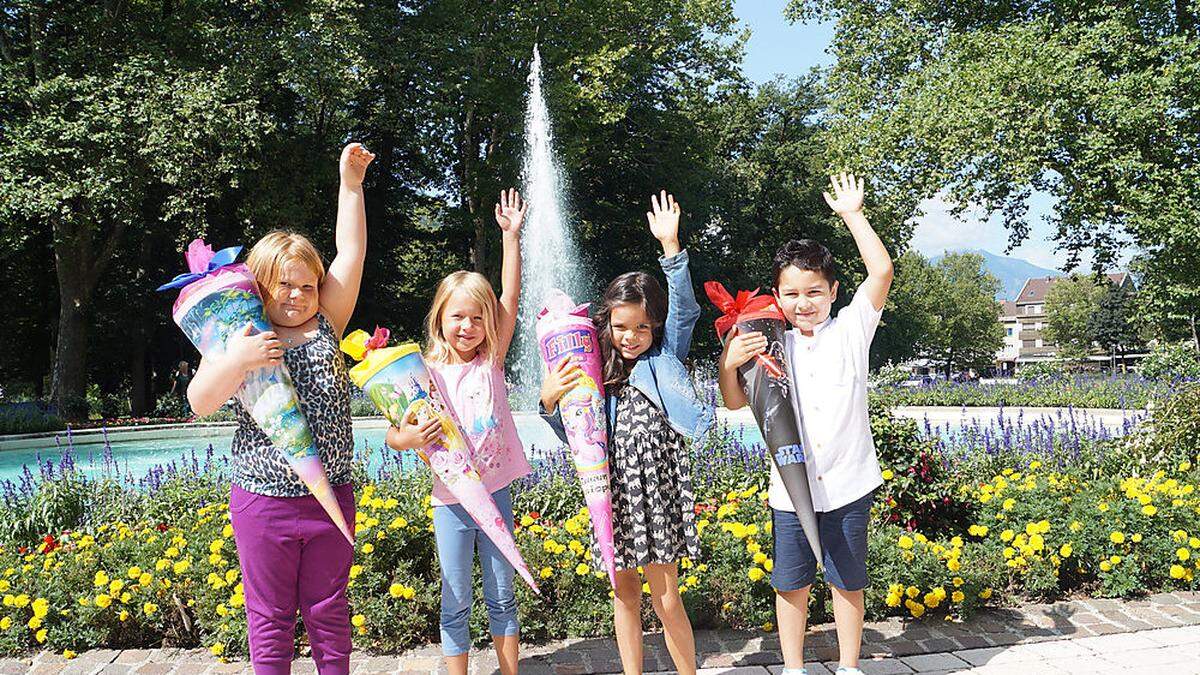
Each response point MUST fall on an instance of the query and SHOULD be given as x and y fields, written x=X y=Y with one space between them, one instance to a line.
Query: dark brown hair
x=805 y=254
x=634 y=288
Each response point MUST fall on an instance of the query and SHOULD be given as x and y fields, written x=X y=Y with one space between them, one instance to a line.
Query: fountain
x=548 y=251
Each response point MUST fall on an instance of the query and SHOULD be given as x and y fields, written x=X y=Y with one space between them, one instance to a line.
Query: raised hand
x=663 y=217
x=510 y=211
x=352 y=165
x=847 y=194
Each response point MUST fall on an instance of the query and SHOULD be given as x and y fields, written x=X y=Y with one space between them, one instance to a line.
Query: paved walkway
x=1160 y=634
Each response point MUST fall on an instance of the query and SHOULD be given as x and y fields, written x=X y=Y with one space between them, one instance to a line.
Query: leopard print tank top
x=323 y=387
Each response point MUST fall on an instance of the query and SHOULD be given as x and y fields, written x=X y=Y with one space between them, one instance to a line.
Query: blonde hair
x=477 y=288
x=272 y=252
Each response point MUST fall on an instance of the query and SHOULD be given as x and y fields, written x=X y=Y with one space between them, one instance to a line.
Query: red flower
x=535 y=514
x=162 y=527
x=49 y=543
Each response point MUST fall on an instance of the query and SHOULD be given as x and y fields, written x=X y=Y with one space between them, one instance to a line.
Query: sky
x=777 y=47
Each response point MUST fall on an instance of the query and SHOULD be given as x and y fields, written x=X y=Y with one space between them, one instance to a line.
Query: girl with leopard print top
x=469 y=331
x=292 y=556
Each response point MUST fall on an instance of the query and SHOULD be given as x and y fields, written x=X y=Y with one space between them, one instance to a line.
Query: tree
x=1070 y=304
x=1096 y=103
x=965 y=330
x=1113 y=323
x=910 y=318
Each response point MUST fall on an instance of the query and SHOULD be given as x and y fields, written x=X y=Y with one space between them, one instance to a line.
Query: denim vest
x=659 y=373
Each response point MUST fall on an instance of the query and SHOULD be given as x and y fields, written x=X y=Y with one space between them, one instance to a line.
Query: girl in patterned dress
x=645 y=335
x=292 y=556
x=468 y=332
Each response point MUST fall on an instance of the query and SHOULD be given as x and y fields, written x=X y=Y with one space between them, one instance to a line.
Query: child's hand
x=741 y=347
x=847 y=194
x=413 y=434
x=510 y=211
x=352 y=165
x=664 y=217
x=559 y=381
x=252 y=352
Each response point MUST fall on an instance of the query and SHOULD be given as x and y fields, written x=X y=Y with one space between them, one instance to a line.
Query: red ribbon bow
x=379 y=340
x=731 y=307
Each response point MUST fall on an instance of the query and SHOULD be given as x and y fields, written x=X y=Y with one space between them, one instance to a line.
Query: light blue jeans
x=457 y=536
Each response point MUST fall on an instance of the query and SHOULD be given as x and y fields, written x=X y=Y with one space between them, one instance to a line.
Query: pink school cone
x=564 y=330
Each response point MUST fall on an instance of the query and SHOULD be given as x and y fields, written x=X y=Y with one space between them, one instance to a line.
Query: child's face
x=294 y=299
x=805 y=297
x=462 y=324
x=632 y=331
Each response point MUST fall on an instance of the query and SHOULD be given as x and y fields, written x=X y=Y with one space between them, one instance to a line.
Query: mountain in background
x=1012 y=272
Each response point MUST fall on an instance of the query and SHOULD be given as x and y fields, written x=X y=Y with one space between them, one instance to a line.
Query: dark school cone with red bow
x=765 y=381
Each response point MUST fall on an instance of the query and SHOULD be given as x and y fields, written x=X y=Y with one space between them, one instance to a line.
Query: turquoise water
x=134 y=457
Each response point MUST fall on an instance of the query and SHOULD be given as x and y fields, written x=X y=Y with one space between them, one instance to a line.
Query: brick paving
x=1158 y=634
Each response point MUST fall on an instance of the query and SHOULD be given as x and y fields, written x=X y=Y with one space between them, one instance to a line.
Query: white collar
x=816 y=329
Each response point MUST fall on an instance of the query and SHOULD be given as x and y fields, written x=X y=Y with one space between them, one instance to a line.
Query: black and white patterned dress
x=323 y=386
x=654 y=516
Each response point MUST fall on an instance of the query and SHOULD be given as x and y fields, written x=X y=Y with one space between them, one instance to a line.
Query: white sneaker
x=847 y=670
x=794 y=671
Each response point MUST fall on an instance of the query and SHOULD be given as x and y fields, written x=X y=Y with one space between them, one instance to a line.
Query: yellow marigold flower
x=368 y=548
x=582 y=568
x=145 y=579
x=957 y=596
x=396 y=590
x=34 y=623
x=760 y=558
x=123 y=616
x=181 y=566
x=888 y=475
x=227 y=531
x=358 y=620
x=6 y=623
x=1009 y=504
x=217 y=649
x=149 y=608
x=103 y=600
x=1177 y=572
x=68 y=654
x=769 y=564
x=916 y=609
x=40 y=636
x=957 y=581
x=1117 y=537
x=546 y=573
x=1136 y=538
x=222 y=609
x=135 y=572
x=1065 y=550
x=892 y=600
x=41 y=607
x=1149 y=510
x=1075 y=526
x=1006 y=536
x=1105 y=566
x=756 y=574
x=905 y=542
x=912 y=591
x=1183 y=554
x=953 y=564
x=355 y=571
x=101 y=579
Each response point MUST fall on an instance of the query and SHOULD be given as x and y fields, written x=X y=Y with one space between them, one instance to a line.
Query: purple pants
x=294 y=557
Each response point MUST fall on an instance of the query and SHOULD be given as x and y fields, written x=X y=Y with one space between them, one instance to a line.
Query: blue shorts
x=843 y=534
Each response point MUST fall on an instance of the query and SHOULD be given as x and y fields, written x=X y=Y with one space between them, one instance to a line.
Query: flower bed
x=123 y=567
x=1128 y=392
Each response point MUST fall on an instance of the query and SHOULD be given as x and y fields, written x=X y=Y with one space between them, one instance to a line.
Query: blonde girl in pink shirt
x=469 y=332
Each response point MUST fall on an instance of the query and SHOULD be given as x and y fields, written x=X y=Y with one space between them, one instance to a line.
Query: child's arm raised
x=682 y=309
x=510 y=213
x=847 y=202
x=218 y=379
x=339 y=290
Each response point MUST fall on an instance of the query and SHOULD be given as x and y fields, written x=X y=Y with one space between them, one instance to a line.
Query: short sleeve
x=861 y=318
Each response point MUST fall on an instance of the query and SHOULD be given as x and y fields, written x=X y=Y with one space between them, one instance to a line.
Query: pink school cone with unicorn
x=398 y=383
x=564 y=329
x=219 y=297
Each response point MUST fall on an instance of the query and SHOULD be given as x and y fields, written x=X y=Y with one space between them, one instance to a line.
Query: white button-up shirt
x=829 y=399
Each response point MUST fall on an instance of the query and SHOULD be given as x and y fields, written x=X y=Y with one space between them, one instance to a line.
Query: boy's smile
x=805 y=296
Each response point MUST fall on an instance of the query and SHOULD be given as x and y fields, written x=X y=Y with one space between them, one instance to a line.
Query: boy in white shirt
x=827 y=360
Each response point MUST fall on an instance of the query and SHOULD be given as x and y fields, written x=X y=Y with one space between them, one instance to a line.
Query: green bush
x=29 y=420
x=1172 y=361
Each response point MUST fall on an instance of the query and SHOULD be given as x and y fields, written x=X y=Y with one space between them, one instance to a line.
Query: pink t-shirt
x=477 y=396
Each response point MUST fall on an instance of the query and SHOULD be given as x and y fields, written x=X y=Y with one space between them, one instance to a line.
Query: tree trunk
x=1195 y=336
x=69 y=384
